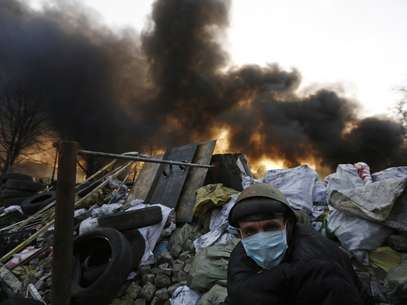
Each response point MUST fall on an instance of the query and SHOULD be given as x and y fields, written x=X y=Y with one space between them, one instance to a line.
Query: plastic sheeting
x=348 y=192
x=88 y=225
x=392 y=172
x=184 y=295
x=356 y=233
x=346 y=177
x=297 y=184
x=373 y=201
x=218 y=226
x=91 y=222
x=13 y=208
x=319 y=194
x=152 y=233
x=106 y=209
x=356 y=201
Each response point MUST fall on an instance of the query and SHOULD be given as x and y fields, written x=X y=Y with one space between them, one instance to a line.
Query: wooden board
x=170 y=179
x=145 y=180
x=195 y=180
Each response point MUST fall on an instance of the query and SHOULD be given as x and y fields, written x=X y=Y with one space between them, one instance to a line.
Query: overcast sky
x=358 y=44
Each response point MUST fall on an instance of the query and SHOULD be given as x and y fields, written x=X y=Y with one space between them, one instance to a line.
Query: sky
x=356 y=46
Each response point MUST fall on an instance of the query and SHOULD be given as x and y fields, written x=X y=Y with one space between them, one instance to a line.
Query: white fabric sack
x=392 y=172
x=373 y=201
x=355 y=233
x=152 y=233
x=297 y=184
x=106 y=209
x=88 y=225
x=218 y=227
x=346 y=177
x=184 y=295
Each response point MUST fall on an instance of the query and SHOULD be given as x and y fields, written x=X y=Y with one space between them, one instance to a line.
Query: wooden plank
x=145 y=180
x=225 y=171
x=170 y=179
x=195 y=180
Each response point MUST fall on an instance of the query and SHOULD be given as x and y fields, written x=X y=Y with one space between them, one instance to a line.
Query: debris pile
x=165 y=238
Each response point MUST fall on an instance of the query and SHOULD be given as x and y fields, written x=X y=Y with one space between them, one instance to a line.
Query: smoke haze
x=173 y=84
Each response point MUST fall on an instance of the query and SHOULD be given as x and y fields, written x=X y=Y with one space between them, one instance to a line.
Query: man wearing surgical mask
x=281 y=262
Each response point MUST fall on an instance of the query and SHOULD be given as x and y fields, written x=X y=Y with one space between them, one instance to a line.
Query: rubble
x=177 y=262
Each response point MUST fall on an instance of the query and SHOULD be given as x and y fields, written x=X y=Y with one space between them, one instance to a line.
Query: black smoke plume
x=172 y=84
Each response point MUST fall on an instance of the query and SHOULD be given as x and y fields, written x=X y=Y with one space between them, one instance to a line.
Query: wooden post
x=64 y=211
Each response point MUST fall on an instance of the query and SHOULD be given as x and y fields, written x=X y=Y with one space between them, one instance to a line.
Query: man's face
x=248 y=228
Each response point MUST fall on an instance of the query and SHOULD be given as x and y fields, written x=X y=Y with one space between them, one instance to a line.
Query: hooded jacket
x=314 y=271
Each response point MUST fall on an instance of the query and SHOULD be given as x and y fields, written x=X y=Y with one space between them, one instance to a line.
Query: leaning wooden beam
x=17 y=226
x=63 y=232
x=45 y=228
x=141 y=158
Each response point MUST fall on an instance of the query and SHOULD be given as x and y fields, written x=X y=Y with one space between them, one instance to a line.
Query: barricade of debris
x=165 y=238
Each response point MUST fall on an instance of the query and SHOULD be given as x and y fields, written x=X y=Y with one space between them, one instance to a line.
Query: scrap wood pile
x=165 y=238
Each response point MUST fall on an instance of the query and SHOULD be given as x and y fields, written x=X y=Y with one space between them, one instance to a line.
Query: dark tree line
x=22 y=123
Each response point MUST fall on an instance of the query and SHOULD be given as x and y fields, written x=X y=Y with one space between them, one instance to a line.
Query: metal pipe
x=143 y=159
x=64 y=212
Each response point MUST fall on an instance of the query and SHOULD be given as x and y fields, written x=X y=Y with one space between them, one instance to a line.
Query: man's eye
x=249 y=233
x=272 y=228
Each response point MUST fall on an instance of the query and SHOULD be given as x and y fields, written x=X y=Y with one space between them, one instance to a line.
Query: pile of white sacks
x=364 y=208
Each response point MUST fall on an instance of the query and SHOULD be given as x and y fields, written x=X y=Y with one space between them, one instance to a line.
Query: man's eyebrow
x=249 y=228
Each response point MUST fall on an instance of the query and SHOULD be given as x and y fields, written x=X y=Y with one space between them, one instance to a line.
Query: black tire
x=12 y=201
x=14 y=176
x=7 y=194
x=20 y=301
x=137 y=244
x=104 y=247
x=132 y=219
x=24 y=185
x=35 y=203
x=91 y=273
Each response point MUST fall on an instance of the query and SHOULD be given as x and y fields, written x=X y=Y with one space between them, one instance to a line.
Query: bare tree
x=22 y=123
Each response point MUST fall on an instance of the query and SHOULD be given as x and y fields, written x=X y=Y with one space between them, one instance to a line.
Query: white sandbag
x=87 y=225
x=355 y=233
x=346 y=177
x=184 y=295
x=297 y=184
x=373 y=201
x=106 y=209
x=392 y=172
x=220 y=216
x=319 y=194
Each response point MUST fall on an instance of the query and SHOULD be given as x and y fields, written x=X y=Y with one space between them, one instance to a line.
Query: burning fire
x=222 y=143
x=261 y=165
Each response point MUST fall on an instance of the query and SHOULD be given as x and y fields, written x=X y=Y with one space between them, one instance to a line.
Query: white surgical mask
x=267 y=249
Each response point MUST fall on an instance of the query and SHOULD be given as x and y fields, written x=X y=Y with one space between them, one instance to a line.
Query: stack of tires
x=15 y=188
x=103 y=258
